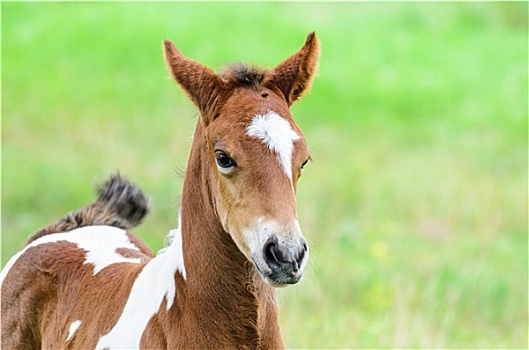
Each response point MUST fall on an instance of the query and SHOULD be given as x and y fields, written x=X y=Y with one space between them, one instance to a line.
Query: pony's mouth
x=278 y=276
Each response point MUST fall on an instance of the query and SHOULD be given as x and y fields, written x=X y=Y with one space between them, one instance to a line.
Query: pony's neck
x=224 y=294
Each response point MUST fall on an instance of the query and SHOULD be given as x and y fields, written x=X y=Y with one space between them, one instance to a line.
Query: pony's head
x=254 y=153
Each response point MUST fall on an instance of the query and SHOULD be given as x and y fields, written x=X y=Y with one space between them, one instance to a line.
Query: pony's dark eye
x=304 y=163
x=223 y=160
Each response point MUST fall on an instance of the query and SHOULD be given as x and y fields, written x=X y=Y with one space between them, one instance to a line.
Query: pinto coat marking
x=100 y=286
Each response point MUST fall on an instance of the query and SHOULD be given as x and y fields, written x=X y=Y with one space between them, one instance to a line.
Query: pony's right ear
x=204 y=87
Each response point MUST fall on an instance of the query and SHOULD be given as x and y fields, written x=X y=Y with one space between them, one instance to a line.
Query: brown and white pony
x=85 y=282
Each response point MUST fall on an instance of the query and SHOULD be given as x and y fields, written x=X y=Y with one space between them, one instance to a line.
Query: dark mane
x=243 y=74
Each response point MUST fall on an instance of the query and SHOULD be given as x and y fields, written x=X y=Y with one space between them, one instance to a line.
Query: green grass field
x=415 y=205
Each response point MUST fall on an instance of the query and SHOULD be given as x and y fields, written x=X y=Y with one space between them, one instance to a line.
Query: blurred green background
x=415 y=205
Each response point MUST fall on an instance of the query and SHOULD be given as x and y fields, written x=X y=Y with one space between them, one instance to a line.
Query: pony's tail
x=119 y=204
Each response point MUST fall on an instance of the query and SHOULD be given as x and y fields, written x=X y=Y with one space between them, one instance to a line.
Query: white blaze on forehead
x=277 y=133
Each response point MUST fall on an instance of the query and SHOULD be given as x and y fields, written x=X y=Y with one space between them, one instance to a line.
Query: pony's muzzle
x=285 y=261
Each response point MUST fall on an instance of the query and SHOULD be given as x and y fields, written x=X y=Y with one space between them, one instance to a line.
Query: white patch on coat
x=154 y=283
x=73 y=327
x=277 y=133
x=99 y=242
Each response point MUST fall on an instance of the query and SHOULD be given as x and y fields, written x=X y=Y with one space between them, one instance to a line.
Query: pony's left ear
x=294 y=75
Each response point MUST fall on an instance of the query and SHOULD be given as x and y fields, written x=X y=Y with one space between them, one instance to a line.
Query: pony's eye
x=304 y=163
x=223 y=161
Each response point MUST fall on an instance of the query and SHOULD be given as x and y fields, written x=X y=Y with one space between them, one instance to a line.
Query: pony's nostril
x=271 y=252
x=301 y=256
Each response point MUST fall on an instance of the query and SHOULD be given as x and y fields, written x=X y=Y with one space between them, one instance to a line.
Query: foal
x=98 y=286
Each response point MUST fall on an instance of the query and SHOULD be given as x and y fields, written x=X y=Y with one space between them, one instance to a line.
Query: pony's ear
x=294 y=75
x=204 y=87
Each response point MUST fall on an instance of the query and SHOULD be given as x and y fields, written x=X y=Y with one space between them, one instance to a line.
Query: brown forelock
x=243 y=75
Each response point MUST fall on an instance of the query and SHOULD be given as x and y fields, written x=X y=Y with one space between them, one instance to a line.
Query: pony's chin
x=278 y=278
x=282 y=282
